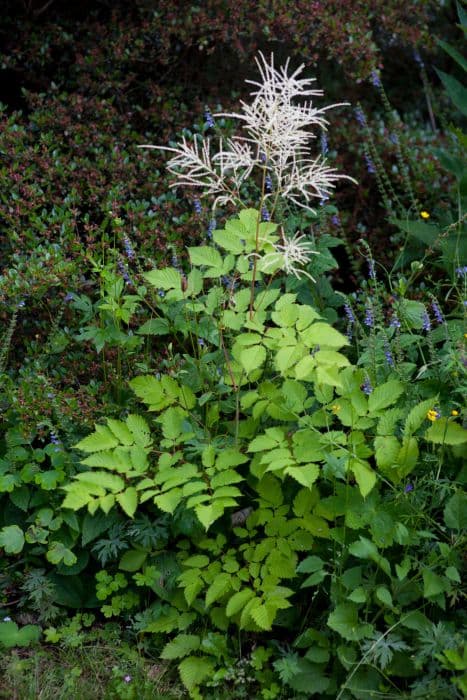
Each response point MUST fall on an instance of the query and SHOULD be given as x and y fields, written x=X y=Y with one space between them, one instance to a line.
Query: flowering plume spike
x=280 y=122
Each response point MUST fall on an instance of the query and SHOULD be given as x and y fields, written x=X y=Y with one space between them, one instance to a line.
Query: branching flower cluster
x=279 y=123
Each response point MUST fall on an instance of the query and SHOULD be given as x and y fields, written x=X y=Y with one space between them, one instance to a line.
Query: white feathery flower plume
x=287 y=255
x=279 y=124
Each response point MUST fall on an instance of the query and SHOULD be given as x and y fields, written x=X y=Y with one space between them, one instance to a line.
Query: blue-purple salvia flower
x=388 y=354
x=210 y=123
x=461 y=271
x=408 y=488
x=21 y=304
x=268 y=183
x=161 y=293
x=349 y=313
x=54 y=439
x=68 y=297
x=265 y=214
x=438 y=314
x=335 y=220
x=359 y=116
x=375 y=79
x=197 y=206
x=369 y=319
x=395 y=323
x=370 y=166
x=130 y=253
x=211 y=227
x=426 y=323
x=394 y=138
x=123 y=272
x=366 y=386
x=201 y=342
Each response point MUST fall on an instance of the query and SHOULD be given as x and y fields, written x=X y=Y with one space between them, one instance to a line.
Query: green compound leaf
x=155 y=326
x=12 y=539
x=306 y=475
x=344 y=621
x=166 y=279
x=59 y=553
x=133 y=560
x=205 y=255
x=417 y=416
x=238 y=601
x=194 y=670
x=208 y=514
x=324 y=335
x=101 y=439
x=455 y=511
x=13 y=636
x=128 y=500
x=218 y=588
x=252 y=358
x=264 y=616
x=433 y=584
x=385 y=395
x=121 y=431
x=169 y=501
x=364 y=475
x=197 y=561
x=445 y=432
x=104 y=480
x=181 y=646
x=230 y=241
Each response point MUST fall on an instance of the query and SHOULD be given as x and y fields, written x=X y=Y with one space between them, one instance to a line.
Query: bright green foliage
x=266 y=452
x=122 y=447
x=12 y=539
x=13 y=636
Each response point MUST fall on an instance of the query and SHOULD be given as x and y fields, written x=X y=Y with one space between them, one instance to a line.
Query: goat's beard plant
x=262 y=442
x=280 y=123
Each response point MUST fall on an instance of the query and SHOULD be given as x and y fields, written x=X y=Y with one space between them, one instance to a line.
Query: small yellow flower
x=454 y=412
x=425 y=214
x=433 y=414
x=336 y=408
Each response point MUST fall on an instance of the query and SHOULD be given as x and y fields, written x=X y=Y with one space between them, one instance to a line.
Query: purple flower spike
x=335 y=220
x=370 y=166
x=408 y=488
x=369 y=317
x=375 y=79
x=349 y=313
x=388 y=355
x=437 y=312
x=130 y=253
x=210 y=123
x=211 y=227
x=360 y=117
x=426 y=323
